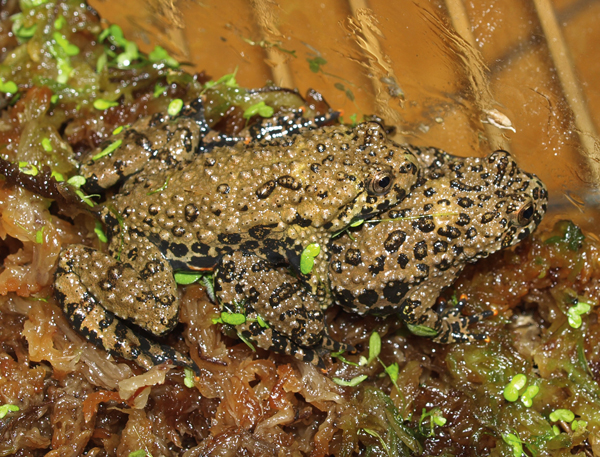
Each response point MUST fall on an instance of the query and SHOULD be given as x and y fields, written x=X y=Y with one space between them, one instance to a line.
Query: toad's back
x=293 y=191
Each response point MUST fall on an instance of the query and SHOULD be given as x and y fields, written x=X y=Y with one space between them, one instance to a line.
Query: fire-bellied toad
x=460 y=210
x=241 y=208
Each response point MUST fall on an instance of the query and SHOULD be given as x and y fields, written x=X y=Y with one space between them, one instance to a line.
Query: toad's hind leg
x=281 y=314
x=271 y=339
x=97 y=291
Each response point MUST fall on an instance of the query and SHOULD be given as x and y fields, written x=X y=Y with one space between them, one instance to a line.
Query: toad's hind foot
x=271 y=339
x=332 y=345
x=91 y=286
x=102 y=328
x=453 y=325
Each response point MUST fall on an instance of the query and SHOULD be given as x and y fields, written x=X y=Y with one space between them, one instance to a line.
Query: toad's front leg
x=98 y=292
x=427 y=315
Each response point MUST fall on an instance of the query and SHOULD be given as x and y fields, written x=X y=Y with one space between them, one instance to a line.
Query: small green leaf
x=54 y=99
x=528 y=395
x=64 y=70
x=208 y=281
x=574 y=320
x=86 y=198
x=246 y=341
x=18 y=28
x=315 y=63
x=58 y=177
x=161 y=188
x=338 y=355
x=108 y=150
x=118 y=130
x=514 y=442
x=60 y=22
x=46 y=144
x=580 y=425
x=102 y=35
x=39 y=236
x=352 y=383
x=259 y=108
x=374 y=346
x=393 y=371
x=8 y=87
x=189 y=377
x=127 y=57
x=114 y=34
x=99 y=231
x=357 y=223
x=159 y=89
x=101 y=62
x=572 y=236
x=68 y=47
x=516 y=384
x=438 y=419
x=562 y=415
x=261 y=322
x=233 y=318
x=76 y=181
x=159 y=54
x=175 y=107
x=421 y=330
x=29 y=4
x=435 y=418
x=63 y=63
x=5 y=409
x=378 y=436
x=24 y=33
x=575 y=312
x=28 y=168
x=138 y=453
x=582 y=308
x=307 y=258
x=101 y=104
x=187 y=277
x=555 y=430
x=227 y=80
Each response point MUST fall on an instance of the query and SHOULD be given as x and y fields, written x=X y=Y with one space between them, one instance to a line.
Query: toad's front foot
x=453 y=325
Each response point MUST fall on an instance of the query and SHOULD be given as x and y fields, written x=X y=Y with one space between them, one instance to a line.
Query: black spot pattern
x=260 y=232
x=403 y=260
x=420 y=250
x=266 y=189
x=353 y=257
x=395 y=291
x=488 y=217
x=377 y=266
x=449 y=232
x=394 y=240
x=440 y=246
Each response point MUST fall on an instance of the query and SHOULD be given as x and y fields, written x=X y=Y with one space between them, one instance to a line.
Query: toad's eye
x=380 y=183
x=525 y=214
